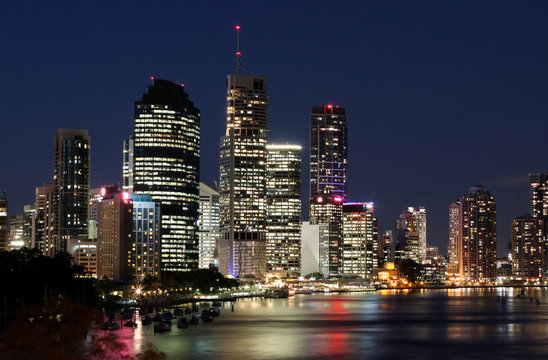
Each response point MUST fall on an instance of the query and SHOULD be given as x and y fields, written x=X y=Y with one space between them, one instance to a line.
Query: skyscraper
x=283 y=238
x=539 y=207
x=359 y=245
x=407 y=237
x=419 y=213
x=527 y=247
x=477 y=235
x=114 y=235
x=71 y=175
x=209 y=224
x=144 y=249
x=328 y=175
x=17 y=231
x=328 y=151
x=4 y=221
x=385 y=247
x=242 y=180
x=166 y=166
x=43 y=203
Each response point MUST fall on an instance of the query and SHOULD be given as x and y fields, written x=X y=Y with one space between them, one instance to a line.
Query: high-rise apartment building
x=114 y=236
x=17 y=232
x=128 y=163
x=43 y=226
x=242 y=180
x=407 y=237
x=71 y=176
x=144 y=249
x=164 y=163
x=527 y=247
x=538 y=187
x=359 y=246
x=477 y=235
x=453 y=250
x=4 y=221
x=385 y=247
x=419 y=213
x=209 y=225
x=283 y=238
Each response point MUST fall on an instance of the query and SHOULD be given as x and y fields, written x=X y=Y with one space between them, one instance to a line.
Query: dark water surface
x=428 y=324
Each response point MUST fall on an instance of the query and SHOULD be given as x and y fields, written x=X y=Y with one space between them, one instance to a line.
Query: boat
x=130 y=323
x=216 y=303
x=147 y=320
x=206 y=317
x=188 y=311
x=111 y=325
x=182 y=323
x=214 y=312
x=162 y=327
x=280 y=293
x=178 y=312
x=167 y=315
x=157 y=317
x=193 y=320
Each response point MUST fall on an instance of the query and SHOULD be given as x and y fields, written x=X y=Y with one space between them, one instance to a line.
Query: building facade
x=359 y=246
x=328 y=210
x=407 y=237
x=283 y=241
x=145 y=245
x=242 y=178
x=4 y=221
x=538 y=187
x=43 y=230
x=477 y=236
x=453 y=250
x=419 y=213
x=71 y=176
x=527 y=247
x=17 y=232
x=209 y=225
x=165 y=164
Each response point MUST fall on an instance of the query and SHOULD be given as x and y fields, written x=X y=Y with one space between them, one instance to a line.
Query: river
x=426 y=324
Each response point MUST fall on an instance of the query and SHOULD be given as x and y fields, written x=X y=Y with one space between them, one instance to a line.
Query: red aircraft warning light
x=329 y=106
x=337 y=199
x=237 y=27
x=319 y=199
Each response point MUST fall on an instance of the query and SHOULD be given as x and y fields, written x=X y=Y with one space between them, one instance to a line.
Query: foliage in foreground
x=205 y=280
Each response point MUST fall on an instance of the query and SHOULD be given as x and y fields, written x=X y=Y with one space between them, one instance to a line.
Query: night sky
x=440 y=96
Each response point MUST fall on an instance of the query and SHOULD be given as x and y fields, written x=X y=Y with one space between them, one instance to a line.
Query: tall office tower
x=71 y=176
x=407 y=237
x=128 y=163
x=37 y=230
x=242 y=178
x=327 y=210
x=328 y=151
x=359 y=246
x=527 y=247
x=4 y=221
x=17 y=231
x=283 y=209
x=166 y=166
x=43 y=203
x=114 y=236
x=209 y=225
x=419 y=213
x=385 y=247
x=539 y=206
x=310 y=247
x=328 y=175
x=145 y=250
x=477 y=235
x=453 y=250
x=95 y=197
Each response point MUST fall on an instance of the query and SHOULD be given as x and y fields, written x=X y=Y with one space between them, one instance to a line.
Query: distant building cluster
x=162 y=218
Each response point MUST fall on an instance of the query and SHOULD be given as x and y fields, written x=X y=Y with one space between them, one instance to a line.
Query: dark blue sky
x=439 y=95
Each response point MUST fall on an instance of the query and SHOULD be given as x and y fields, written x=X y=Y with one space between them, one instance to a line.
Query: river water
x=427 y=324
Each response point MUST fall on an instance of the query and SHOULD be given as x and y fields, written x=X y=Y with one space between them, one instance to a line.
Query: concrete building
x=209 y=225
x=71 y=176
x=114 y=236
x=242 y=181
x=283 y=238
x=145 y=244
x=527 y=247
x=359 y=246
x=164 y=162
x=477 y=236
x=310 y=248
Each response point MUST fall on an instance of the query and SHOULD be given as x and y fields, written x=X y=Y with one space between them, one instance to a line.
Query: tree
x=317 y=275
x=410 y=269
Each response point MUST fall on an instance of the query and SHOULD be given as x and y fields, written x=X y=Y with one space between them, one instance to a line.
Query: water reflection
x=452 y=323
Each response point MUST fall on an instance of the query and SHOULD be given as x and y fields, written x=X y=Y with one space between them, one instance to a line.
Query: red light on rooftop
x=337 y=199
x=337 y=106
x=329 y=106
x=125 y=196
x=182 y=85
x=238 y=53
x=103 y=192
x=237 y=27
x=319 y=199
x=152 y=78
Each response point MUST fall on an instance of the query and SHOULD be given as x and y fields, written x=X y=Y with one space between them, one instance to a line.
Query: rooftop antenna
x=239 y=65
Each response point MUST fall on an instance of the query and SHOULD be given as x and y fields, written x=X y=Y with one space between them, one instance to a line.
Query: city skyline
x=439 y=177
